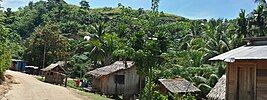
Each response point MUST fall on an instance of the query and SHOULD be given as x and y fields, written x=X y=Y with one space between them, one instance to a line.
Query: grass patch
x=40 y=78
x=71 y=83
x=93 y=96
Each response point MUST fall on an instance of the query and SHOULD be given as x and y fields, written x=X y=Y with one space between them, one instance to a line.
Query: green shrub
x=5 y=61
x=205 y=89
x=155 y=94
x=183 y=97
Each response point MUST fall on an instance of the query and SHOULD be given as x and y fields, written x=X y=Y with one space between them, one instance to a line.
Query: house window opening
x=119 y=79
x=262 y=72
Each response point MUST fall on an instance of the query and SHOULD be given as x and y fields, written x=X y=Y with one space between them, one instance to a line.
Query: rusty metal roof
x=178 y=85
x=250 y=52
x=118 y=65
x=218 y=91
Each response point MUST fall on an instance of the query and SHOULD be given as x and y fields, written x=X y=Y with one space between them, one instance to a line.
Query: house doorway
x=246 y=85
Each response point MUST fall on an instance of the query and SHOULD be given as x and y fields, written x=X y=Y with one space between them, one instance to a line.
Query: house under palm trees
x=246 y=75
x=119 y=78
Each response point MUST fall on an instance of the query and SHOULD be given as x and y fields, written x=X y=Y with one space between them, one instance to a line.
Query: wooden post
x=40 y=72
x=66 y=81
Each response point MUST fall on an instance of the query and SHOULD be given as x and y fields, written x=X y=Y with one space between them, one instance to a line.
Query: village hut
x=119 y=78
x=18 y=65
x=177 y=86
x=54 y=73
x=218 y=91
x=246 y=71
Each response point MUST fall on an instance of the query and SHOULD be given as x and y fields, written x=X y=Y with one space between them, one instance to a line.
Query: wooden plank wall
x=130 y=86
x=231 y=84
x=260 y=82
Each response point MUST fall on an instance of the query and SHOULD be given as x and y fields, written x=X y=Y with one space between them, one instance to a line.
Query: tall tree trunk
x=150 y=83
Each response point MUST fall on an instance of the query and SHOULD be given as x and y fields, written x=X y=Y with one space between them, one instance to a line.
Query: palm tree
x=97 y=53
x=216 y=37
x=84 y=4
x=242 y=25
x=260 y=1
x=103 y=44
x=155 y=5
x=259 y=20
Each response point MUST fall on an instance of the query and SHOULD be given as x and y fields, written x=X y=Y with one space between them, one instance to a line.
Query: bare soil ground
x=5 y=86
x=27 y=87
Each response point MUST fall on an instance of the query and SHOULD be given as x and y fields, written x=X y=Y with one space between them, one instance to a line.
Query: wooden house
x=218 y=91
x=54 y=73
x=18 y=65
x=177 y=86
x=246 y=75
x=119 y=78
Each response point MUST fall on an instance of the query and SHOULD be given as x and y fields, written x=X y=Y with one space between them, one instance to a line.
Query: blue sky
x=193 y=9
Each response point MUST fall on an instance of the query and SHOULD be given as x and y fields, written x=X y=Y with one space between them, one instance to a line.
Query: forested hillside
x=162 y=45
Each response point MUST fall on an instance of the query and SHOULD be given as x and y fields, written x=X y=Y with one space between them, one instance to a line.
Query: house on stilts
x=119 y=78
x=55 y=73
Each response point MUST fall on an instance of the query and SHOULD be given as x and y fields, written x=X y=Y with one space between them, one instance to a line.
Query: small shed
x=18 y=65
x=54 y=73
x=177 y=86
x=32 y=70
x=246 y=71
x=218 y=91
x=119 y=78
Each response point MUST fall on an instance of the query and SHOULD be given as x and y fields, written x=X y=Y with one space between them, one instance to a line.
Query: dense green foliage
x=8 y=45
x=162 y=45
x=5 y=55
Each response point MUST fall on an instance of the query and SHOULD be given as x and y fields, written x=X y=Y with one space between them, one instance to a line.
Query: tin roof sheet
x=244 y=53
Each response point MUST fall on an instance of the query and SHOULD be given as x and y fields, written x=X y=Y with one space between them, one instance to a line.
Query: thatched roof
x=178 y=85
x=52 y=66
x=117 y=66
x=218 y=91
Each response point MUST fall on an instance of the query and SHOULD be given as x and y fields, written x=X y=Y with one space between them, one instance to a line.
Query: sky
x=193 y=9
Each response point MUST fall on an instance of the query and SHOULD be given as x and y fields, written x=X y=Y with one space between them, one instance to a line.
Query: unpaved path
x=29 y=88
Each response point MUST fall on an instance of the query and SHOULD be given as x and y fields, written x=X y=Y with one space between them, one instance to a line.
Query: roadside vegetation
x=161 y=45
x=79 y=90
x=71 y=83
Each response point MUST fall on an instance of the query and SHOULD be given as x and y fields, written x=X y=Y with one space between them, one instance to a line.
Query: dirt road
x=29 y=88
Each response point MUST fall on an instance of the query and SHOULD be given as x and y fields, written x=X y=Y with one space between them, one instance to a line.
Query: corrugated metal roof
x=17 y=60
x=118 y=65
x=32 y=67
x=218 y=91
x=178 y=85
x=244 y=53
